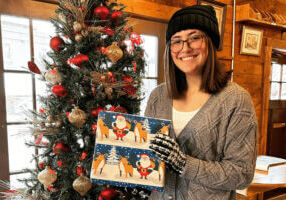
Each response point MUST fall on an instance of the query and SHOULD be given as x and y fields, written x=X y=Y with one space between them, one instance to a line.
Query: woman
x=213 y=120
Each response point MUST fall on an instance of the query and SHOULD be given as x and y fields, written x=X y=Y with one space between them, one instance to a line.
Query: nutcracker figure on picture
x=145 y=165
x=120 y=127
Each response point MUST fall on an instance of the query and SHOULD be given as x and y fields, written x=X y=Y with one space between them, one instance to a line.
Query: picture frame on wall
x=220 y=9
x=251 y=41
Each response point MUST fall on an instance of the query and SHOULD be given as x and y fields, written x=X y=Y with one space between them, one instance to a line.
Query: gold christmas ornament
x=82 y=184
x=47 y=176
x=78 y=37
x=77 y=117
x=77 y=26
x=113 y=52
x=53 y=76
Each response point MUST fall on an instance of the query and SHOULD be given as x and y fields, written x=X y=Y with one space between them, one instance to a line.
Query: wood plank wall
x=248 y=70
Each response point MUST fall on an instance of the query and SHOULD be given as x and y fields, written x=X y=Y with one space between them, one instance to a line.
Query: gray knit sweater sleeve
x=226 y=161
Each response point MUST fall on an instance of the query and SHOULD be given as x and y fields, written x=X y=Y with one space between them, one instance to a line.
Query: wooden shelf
x=246 y=15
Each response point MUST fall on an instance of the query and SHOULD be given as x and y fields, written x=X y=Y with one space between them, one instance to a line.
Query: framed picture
x=251 y=41
x=220 y=9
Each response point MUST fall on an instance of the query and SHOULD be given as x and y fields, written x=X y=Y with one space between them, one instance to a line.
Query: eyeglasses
x=194 y=42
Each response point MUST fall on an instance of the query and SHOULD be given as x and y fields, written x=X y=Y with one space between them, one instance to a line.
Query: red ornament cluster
x=59 y=91
x=129 y=89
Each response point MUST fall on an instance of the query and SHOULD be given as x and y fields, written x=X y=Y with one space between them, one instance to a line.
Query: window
x=21 y=88
x=278 y=82
x=150 y=80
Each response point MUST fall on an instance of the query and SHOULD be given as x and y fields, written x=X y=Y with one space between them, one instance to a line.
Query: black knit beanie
x=200 y=17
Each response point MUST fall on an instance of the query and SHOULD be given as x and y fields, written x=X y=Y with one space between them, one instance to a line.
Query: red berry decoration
x=96 y=111
x=107 y=31
x=116 y=17
x=102 y=11
x=59 y=147
x=120 y=109
x=56 y=43
x=59 y=91
x=108 y=193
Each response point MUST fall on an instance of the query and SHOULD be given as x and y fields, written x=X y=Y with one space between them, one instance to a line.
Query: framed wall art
x=251 y=40
x=220 y=9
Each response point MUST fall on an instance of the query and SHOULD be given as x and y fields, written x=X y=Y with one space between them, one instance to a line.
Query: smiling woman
x=212 y=145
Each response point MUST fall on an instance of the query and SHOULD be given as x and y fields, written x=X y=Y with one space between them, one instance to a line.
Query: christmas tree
x=97 y=65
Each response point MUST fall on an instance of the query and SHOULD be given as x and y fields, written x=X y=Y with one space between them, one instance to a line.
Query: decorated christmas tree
x=97 y=65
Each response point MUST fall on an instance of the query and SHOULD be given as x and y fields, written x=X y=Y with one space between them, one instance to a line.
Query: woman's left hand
x=168 y=150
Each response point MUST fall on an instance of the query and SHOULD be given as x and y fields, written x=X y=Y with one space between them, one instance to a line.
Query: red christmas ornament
x=129 y=89
x=44 y=143
x=116 y=17
x=59 y=147
x=68 y=114
x=108 y=193
x=59 y=91
x=96 y=111
x=41 y=165
x=33 y=67
x=60 y=163
x=78 y=60
x=56 y=43
x=102 y=11
x=107 y=31
x=120 y=109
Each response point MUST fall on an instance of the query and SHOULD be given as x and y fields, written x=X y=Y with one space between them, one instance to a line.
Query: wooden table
x=262 y=181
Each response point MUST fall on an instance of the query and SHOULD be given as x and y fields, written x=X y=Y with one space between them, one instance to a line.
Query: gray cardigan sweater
x=220 y=144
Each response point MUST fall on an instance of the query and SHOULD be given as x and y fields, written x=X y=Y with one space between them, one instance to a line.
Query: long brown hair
x=214 y=77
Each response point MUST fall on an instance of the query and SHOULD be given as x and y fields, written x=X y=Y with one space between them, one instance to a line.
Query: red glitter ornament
x=59 y=91
x=56 y=43
x=102 y=11
x=108 y=193
x=59 y=147
x=42 y=110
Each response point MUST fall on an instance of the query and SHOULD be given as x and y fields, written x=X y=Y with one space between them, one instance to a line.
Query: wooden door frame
x=270 y=44
x=4 y=160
